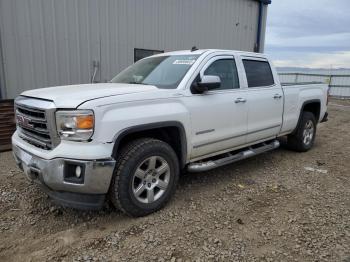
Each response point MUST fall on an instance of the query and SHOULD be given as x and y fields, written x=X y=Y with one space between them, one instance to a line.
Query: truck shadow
x=241 y=170
x=248 y=172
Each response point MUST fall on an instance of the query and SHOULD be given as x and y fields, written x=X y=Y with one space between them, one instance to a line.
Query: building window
x=258 y=73
x=142 y=53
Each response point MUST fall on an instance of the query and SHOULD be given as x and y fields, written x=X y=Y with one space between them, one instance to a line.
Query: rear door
x=264 y=100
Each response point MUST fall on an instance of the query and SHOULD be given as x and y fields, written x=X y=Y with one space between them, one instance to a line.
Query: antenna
x=194 y=48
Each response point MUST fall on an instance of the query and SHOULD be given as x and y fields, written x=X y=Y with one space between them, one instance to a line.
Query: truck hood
x=72 y=96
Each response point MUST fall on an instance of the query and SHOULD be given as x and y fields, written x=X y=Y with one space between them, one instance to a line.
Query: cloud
x=309 y=33
x=329 y=40
x=312 y=17
x=317 y=60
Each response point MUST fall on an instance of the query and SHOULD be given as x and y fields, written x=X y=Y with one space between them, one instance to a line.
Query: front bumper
x=57 y=178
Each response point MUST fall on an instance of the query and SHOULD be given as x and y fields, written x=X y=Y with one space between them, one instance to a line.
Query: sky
x=309 y=33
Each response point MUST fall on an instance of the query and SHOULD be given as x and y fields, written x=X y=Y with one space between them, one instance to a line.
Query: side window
x=227 y=71
x=258 y=73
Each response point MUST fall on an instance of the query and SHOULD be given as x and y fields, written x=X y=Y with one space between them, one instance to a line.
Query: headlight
x=76 y=125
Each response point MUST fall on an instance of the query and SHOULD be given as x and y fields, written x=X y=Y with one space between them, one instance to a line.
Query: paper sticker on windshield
x=184 y=62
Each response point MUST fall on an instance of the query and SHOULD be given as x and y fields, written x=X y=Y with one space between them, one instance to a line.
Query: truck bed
x=295 y=95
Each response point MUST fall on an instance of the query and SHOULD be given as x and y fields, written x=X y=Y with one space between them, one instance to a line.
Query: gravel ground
x=280 y=206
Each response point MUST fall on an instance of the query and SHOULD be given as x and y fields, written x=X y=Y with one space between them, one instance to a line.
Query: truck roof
x=202 y=51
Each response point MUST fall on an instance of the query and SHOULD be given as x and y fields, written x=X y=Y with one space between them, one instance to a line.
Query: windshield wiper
x=137 y=83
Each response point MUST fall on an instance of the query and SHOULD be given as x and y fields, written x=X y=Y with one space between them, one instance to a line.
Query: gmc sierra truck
x=128 y=140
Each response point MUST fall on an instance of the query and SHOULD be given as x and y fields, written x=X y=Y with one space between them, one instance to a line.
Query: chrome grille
x=35 y=124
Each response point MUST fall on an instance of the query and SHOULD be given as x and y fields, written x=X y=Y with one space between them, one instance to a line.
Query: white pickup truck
x=128 y=140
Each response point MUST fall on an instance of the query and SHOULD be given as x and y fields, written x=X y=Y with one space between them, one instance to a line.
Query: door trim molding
x=232 y=137
x=205 y=132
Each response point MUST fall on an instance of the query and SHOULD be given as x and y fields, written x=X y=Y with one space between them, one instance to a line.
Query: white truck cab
x=129 y=139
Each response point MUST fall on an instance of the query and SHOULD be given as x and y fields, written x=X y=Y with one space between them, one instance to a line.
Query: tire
x=303 y=138
x=143 y=166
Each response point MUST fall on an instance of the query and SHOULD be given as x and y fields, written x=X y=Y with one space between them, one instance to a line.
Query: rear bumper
x=325 y=118
x=57 y=177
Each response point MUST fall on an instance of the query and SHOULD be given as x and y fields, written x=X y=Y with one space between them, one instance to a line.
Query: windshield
x=160 y=71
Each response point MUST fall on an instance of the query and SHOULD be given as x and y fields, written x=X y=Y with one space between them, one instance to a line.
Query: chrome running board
x=231 y=158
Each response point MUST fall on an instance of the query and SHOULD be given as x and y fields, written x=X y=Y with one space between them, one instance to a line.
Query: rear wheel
x=304 y=137
x=145 y=177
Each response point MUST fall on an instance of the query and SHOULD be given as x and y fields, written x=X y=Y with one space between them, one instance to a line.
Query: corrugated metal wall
x=47 y=42
x=54 y=42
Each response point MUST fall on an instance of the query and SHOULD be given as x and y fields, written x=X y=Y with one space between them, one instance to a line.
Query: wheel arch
x=171 y=132
x=313 y=106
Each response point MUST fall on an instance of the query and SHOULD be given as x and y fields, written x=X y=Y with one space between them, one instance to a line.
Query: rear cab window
x=258 y=72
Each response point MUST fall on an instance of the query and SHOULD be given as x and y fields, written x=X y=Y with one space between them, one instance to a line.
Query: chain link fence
x=339 y=84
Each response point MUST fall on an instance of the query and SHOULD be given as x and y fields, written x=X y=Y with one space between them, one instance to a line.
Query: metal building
x=56 y=42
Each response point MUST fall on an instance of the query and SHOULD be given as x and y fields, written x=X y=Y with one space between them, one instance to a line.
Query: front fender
x=113 y=121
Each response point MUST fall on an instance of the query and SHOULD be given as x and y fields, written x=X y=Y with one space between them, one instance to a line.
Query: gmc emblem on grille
x=24 y=121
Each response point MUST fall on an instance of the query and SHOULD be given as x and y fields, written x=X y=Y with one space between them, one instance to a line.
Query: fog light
x=73 y=172
x=78 y=171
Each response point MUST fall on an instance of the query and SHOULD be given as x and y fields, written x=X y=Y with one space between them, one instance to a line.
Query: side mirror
x=208 y=82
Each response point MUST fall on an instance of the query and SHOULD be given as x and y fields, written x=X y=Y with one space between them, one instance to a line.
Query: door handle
x=277 y=96
x=240 y=100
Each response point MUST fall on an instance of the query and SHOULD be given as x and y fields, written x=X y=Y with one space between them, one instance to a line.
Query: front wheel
x=145 y=178
x=304 y=137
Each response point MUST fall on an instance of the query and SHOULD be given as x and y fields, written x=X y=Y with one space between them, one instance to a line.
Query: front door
x=218 y=117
